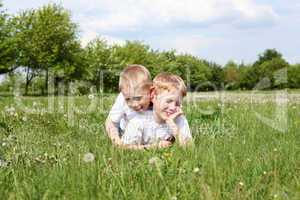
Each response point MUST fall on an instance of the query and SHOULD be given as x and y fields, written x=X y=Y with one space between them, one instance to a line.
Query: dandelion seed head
x=173 y=198
x=88 y=157
x=24 y=118
x=154 y=160
x=3 y=163
x=196 y=170
x=91 y=96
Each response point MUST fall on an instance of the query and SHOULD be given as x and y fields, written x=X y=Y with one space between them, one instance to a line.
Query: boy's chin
x=140 y=110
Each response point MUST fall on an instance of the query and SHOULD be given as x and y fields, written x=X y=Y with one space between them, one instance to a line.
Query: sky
x=216 y=30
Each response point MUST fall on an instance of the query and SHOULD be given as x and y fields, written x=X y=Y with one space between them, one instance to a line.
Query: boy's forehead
x=171 y=94
x=133 y=93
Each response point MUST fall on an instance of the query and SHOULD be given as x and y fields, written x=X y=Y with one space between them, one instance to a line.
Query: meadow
x=246 y=146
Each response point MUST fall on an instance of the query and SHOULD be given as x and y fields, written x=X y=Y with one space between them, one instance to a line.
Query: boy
x=134 y=86
x=157 y=128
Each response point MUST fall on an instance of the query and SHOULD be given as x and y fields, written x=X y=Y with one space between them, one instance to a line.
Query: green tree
x=294 y=76
x=265 y=67
x=100 y=65
x=194 y=71
x=231 y=75
x=267 y=55
x=217 y=76
x=47 y=41
x=247 y=80
x=7 y=44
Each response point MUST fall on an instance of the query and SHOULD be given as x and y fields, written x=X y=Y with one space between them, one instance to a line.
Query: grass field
x=56 y=148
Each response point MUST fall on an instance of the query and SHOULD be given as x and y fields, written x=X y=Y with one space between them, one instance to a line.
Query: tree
x=264 y=68
x=47 y=42
x=217 y=75
x=294 y=76
x=231 y=75
x=247 y=80
x=7 y=44
x=267 y=55
x=194 y=71
x=100 y=64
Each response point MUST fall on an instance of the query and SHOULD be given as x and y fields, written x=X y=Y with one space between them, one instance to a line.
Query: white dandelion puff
x=196 y=170
x=24 y=118
x=173 y=198
x=91 y=96
x=88 y=157
x=154 y=160
x=3 y=163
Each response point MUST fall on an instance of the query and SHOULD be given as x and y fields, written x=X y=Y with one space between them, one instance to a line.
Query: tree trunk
x=56 y=83
x=46 y=82
x=27 y=81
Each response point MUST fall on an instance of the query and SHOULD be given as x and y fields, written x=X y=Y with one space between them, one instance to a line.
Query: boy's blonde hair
x=135 y=77
x=166 y=82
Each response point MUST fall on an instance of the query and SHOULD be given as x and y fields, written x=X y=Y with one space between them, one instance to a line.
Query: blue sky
x=217 y=30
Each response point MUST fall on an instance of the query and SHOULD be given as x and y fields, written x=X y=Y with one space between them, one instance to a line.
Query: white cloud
x=90 y=35
x=131 y=15
x=186 y=43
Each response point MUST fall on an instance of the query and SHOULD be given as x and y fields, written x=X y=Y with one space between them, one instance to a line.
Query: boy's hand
x=164 y=144
x=174 y=115
x=171 y=120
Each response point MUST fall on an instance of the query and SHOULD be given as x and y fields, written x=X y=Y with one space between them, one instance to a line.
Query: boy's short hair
x=135 y=77
x=166 y=82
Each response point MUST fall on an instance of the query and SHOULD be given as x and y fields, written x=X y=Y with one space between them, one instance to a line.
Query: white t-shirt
x=143 y=129
x=120 y=113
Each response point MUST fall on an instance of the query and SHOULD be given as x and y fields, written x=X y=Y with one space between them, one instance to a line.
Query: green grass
x=235 y=156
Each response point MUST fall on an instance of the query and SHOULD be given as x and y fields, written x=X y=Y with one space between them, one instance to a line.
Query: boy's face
x=166 y=104
x=137 y=100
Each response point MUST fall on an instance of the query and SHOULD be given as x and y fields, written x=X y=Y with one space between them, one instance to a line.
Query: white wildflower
x=241 y=183
x=3 y=163
x=154 y=160
x=24 y=118
x=91 y=96
x=88 y=157
x=196 y=170
x=173 y=198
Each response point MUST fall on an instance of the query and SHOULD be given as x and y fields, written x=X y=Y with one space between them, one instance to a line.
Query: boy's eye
x=136 y=98
x=169 y=101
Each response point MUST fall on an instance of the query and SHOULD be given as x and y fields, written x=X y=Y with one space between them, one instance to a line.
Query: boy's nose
x=172 y=107
x=135 y=105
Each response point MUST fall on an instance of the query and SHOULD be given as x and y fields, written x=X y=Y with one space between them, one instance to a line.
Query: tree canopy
x=45 y=43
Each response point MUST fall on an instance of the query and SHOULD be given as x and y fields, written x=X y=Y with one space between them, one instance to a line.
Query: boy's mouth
x=169 y=113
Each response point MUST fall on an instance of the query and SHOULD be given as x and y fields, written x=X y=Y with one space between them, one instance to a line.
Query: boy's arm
x=133 y=137
x=181 y=130
x=159 y=145
x=112 y=131
x=115 y=115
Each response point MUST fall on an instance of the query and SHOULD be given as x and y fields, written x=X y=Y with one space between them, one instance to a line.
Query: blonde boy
x=157 y=128
x=134 y=86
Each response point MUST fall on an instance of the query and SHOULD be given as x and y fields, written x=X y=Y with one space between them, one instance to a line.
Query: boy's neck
x=157 y=119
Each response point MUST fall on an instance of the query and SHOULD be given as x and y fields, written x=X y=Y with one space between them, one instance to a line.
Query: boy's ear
x=152 y=93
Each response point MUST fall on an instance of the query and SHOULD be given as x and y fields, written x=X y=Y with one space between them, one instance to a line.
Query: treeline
x=42 y=46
